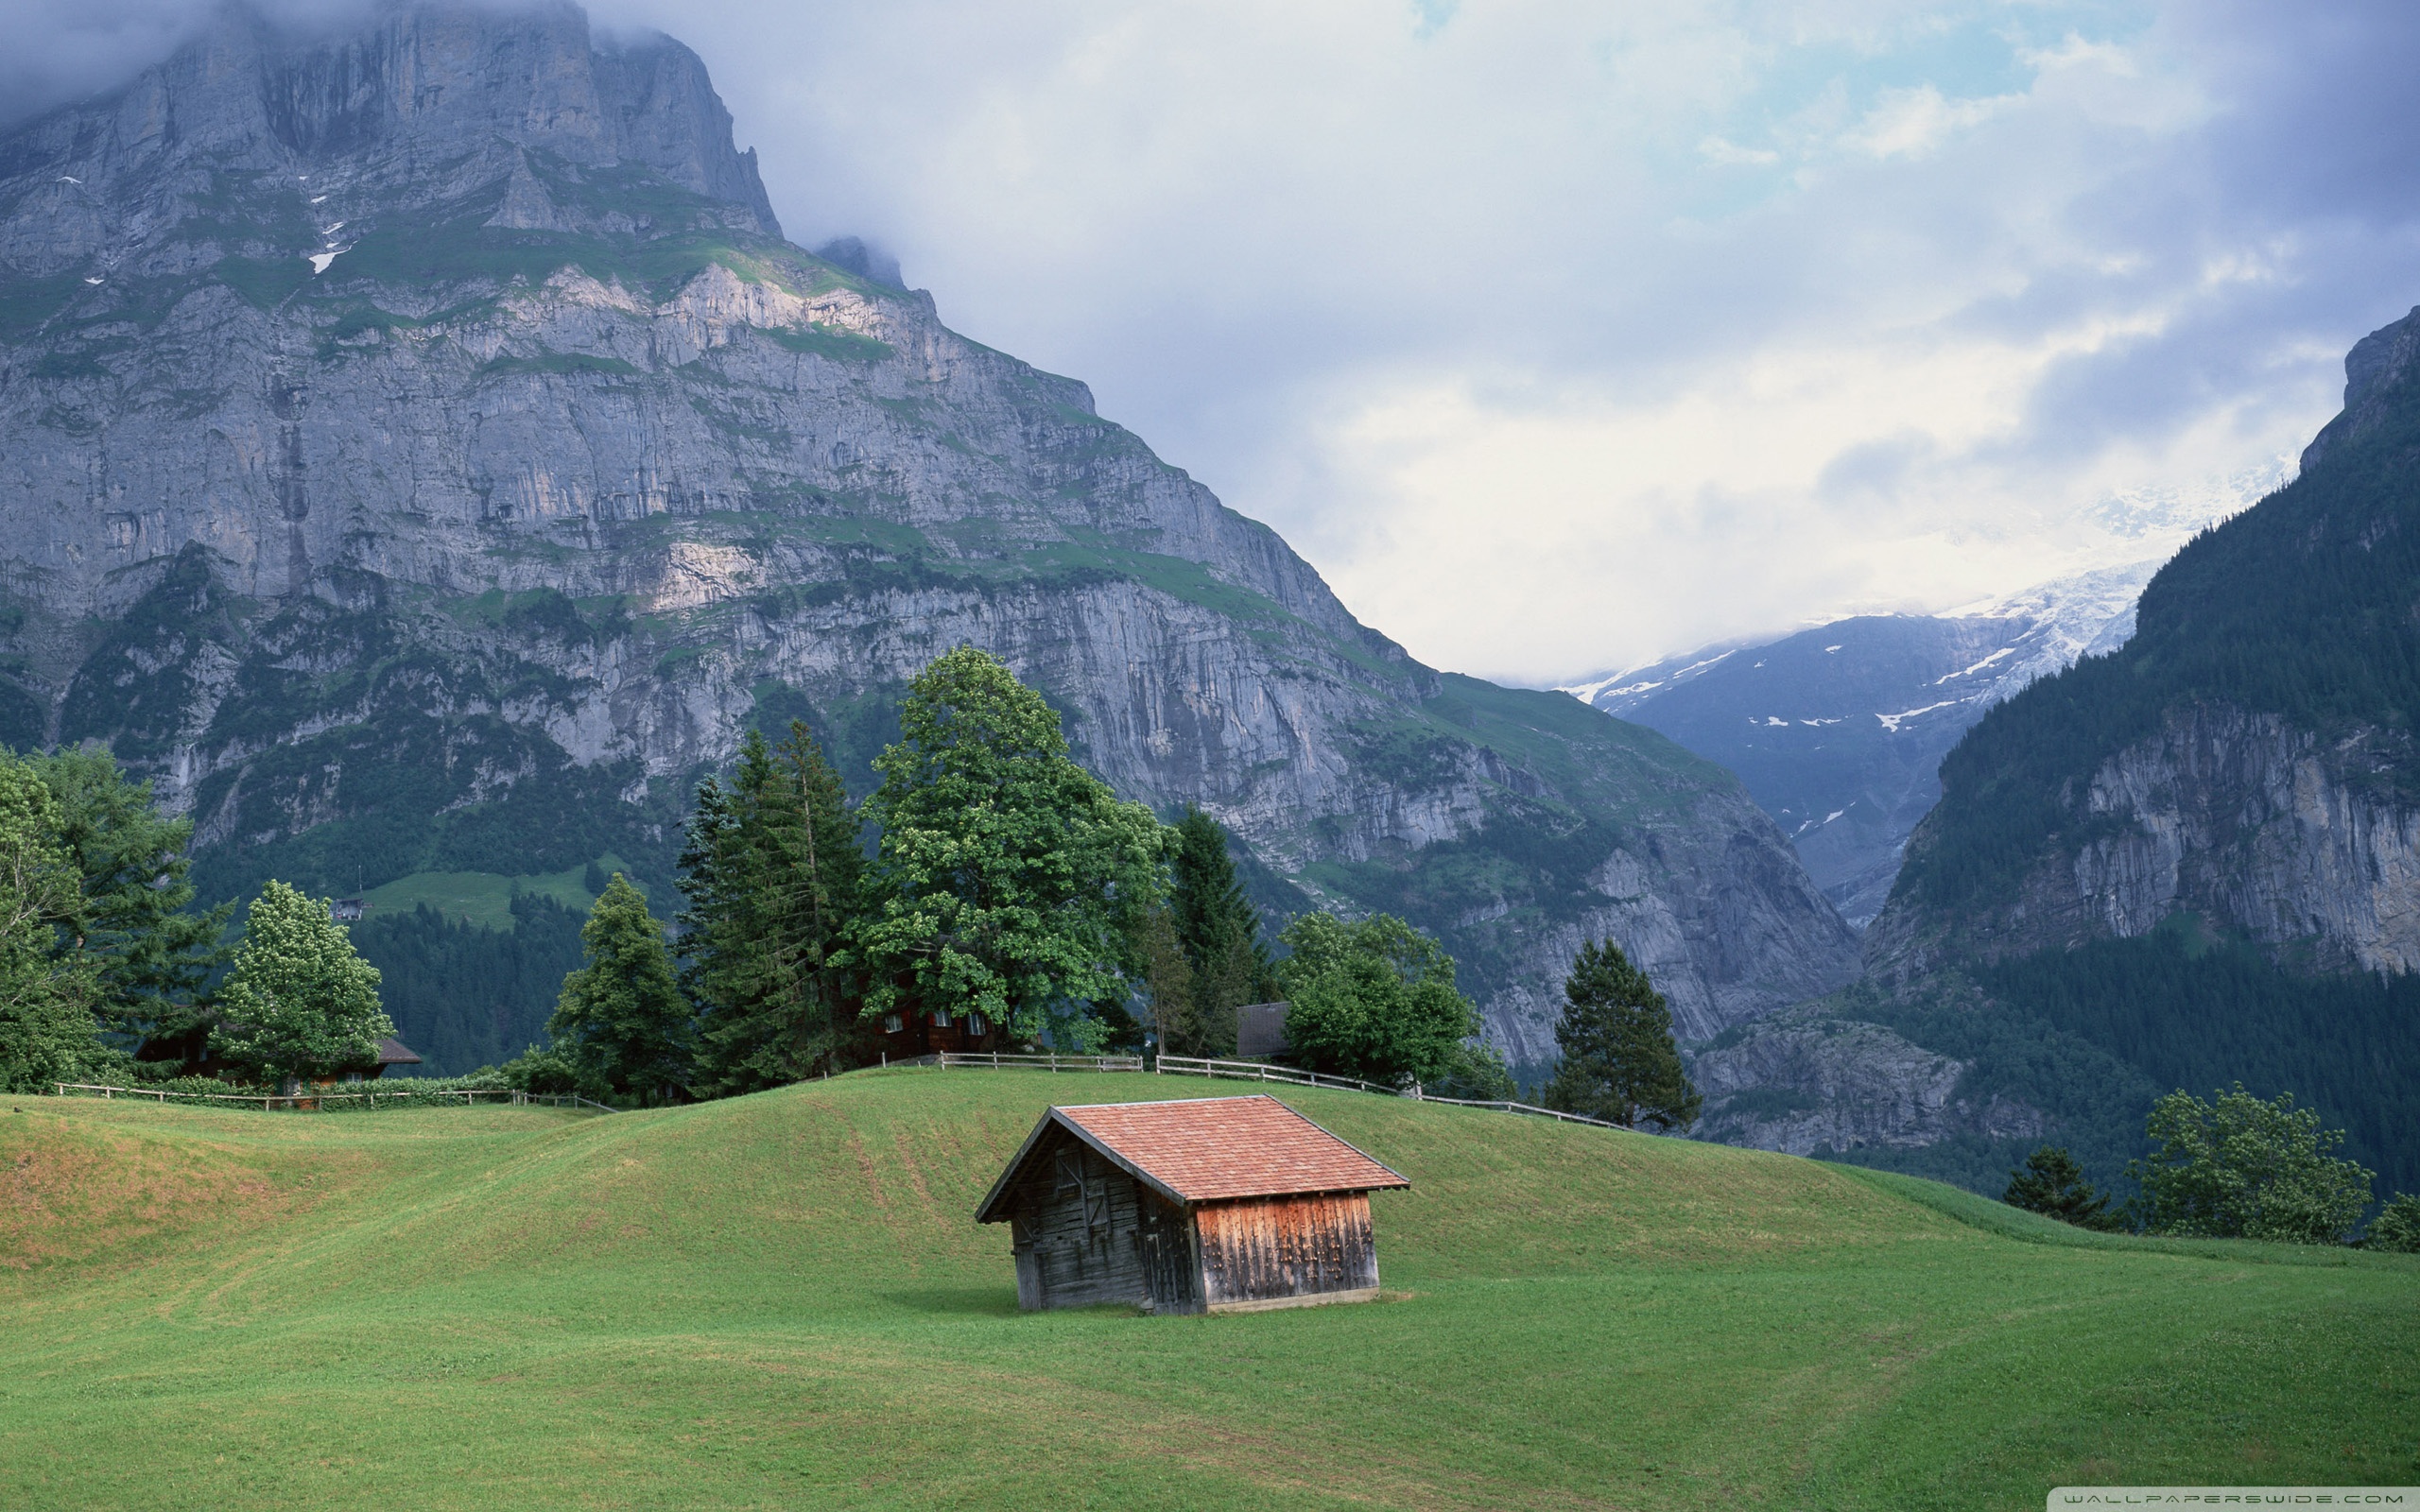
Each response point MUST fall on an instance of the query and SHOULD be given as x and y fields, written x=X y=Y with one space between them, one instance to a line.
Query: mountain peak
x=416 y=103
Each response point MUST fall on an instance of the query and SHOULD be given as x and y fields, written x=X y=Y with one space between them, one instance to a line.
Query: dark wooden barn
x=1205 y=1204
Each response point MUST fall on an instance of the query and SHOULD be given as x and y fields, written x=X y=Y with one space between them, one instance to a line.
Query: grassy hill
x=782 y=1299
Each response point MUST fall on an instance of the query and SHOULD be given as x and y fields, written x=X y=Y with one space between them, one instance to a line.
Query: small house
x=391 y=1052
x=1260 y=1031
x=906 y=1034
x=1203 y=1205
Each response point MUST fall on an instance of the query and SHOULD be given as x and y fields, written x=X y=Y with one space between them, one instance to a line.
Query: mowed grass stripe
x=782 y=1299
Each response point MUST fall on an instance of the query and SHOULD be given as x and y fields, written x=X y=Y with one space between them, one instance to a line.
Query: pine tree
x=47 y=994
x=774 y=879
x=1010 y=882
x=2051 y=1183
x=299 y=1002
x=1620 y=1062
x=1219 y=930
x=153 y=958
x=621 y=1019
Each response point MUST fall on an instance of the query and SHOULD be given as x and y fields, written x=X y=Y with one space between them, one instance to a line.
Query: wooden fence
x=306 y=1102
x=1240 y=1071
x=997 y=1062
x=1256 y=1070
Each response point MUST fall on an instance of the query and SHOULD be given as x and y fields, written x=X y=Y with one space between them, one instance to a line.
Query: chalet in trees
x=907 y=1035
x=1205 y=1205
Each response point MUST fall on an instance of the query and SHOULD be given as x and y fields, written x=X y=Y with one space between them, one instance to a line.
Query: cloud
x=1562 y=334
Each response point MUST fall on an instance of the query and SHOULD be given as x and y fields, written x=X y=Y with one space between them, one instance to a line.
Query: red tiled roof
x=1207 y=1149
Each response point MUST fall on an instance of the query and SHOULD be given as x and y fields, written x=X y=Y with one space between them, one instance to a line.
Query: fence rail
x=985 y=1058
x=1255 y=1070
x=305 y=1102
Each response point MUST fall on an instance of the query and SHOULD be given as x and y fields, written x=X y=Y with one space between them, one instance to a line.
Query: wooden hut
x=1212 y=1204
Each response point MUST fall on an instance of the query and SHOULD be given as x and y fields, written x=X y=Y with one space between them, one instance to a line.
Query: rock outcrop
x=419 y=452
x=1808 y=1081
x=2235 y=816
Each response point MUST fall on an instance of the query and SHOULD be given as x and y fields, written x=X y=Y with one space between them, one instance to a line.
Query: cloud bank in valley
x=1562 y=335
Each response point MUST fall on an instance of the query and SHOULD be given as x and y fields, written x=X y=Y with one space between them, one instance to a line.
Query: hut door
x=1171 y=1276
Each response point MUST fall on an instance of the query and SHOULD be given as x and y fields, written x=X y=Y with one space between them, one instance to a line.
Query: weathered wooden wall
x=1266 y=1251
x=1077 y=1227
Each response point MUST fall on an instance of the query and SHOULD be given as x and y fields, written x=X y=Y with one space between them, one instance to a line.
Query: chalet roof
x=393 y=1052
x=1207 y=1149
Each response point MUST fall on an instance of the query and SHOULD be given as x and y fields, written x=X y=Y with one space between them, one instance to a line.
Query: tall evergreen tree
x=152 y=956
x=621 y=1019
x=1620 y=1062
x=1010 y=882
x=47 y=993
x=299 y=1002
x=1219 y=930
x=774 y=879
x=2051 y=1183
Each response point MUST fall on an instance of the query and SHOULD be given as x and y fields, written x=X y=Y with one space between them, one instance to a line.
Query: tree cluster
x=2234 y=1167
x=1006 y=884
x=99 y=946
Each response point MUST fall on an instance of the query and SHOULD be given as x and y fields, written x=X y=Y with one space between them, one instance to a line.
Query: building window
x=892 y=1023
x=975 y=1025
x=941 y=1017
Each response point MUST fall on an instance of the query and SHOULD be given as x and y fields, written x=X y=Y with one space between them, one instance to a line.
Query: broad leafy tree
x=1010 y=881
x=1374 y=999
x=151 y=957
x=1619 y=1063
x=1218 y=932
x=47 y=993
x=2236 y=1167
x=2397 y=1225
x=299 y=1002
x=774 y=880
x=1167 y=985
x=2051 y=1183
x=622 y=1023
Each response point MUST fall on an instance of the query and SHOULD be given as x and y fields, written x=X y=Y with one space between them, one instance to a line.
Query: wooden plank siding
x=1084 y=1233
x=1287 y=1251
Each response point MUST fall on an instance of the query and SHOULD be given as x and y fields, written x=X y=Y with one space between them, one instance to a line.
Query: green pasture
x=484 y=898
x=780 y=1300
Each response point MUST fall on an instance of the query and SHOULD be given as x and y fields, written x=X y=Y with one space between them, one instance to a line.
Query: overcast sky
x=1562 y=337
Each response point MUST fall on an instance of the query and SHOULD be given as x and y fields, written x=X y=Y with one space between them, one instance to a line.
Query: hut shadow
x=958 y=1301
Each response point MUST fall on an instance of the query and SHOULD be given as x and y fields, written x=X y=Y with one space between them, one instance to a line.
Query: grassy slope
x=780 y=1299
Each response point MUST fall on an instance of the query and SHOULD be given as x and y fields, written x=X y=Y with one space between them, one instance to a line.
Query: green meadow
x=484 y=898
x=782 y=1301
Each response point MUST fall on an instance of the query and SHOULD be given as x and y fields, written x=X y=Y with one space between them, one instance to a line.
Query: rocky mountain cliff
x=2195 y=860
x=421 y=454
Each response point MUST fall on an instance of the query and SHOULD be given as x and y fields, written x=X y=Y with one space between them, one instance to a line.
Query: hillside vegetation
x=782 y=1299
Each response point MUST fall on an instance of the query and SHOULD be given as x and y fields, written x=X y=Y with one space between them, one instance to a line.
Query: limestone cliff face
x=418 y=451
x=1805 y=1080
x=2233 y=816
